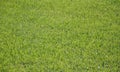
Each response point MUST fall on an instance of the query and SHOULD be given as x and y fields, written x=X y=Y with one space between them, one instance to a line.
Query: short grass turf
x=59 y=35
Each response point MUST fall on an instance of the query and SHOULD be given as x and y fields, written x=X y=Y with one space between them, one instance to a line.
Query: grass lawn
x=59 y=35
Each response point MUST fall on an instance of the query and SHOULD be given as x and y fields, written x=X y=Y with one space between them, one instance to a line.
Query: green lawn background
x=59 y=35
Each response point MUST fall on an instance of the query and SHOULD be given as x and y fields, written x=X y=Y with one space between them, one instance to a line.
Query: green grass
x=59 y=35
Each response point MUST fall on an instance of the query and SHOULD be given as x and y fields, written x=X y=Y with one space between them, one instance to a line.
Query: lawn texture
x=59 y=35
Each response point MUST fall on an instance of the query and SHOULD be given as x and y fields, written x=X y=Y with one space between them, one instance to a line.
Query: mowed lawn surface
x=59 y=35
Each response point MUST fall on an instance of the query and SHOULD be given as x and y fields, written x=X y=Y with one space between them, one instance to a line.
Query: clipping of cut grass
x=59 y=35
